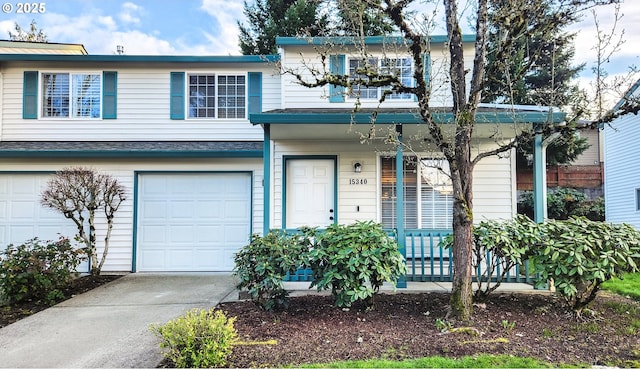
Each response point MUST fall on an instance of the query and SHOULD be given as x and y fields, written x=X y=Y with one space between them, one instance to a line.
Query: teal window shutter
x=255 y=92
x=336 y=66
x=109 y=95
x=176 y=106
x=30 y=95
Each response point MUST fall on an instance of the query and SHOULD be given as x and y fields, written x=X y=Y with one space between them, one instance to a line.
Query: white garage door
x=192 y=221
x=21 y=215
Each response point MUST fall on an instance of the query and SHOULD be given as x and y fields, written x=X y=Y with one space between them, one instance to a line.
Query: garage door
x=192 y=221
x=21 y=215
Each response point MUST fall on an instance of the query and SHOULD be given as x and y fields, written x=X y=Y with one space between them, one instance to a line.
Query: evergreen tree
x=268 y=19
x=537 y=71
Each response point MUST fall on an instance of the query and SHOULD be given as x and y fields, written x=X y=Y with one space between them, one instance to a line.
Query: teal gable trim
x=399 y=118
x=337 y=66
x=255 y=92
x=30 y=95
x=144 y=59
x=109 y=95
x=369 y=40
x=177 y=96
x=284 y=183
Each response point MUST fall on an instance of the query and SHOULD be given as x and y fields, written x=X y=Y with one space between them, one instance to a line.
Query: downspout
x=540 y=173
x=402 y=240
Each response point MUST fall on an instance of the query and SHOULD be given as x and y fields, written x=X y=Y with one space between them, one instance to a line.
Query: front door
x=310 y=193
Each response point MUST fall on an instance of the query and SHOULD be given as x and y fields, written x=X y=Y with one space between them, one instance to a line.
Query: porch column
x=402 y=239
x=266 y=179
x=539 y=177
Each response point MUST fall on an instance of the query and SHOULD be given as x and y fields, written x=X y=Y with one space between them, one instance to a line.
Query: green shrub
x=499 y=246
x=198 y=339
x=354 y=261
x=564 y=203
x=262 y=265
x=37 y=270
x=579 y=255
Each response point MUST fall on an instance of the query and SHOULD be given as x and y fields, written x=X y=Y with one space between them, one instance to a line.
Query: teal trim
x=30 y=95
x=337 y=66
x=136 y=177
x=255 y=92
x=144 y=59
x=627 y=96
x=266 y=155
x=398 y=118
x=177 y=93
x=285 y=158
x=539 y=171
x=134 y=243
x=402 y=282
x=369 y=40
x=109 y=95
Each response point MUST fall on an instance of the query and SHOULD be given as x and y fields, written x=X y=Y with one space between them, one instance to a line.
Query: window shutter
x=30 y=95
x=109 y=95
x=255 y=92
x=176 y=106
x=336 y=66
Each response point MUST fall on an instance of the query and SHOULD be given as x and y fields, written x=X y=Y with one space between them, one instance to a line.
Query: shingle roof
x=131 y=148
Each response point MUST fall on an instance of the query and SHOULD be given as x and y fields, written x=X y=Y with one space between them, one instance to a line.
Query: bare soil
x=404 y=325
x=14 y=312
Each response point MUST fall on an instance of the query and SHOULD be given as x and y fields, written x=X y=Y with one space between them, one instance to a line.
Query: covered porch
x=342 y=137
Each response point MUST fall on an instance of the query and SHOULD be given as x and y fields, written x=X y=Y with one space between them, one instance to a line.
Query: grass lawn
x=480 y=361
x=628 y=285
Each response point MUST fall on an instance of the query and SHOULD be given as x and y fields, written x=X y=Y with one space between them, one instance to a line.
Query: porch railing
x=428 y=261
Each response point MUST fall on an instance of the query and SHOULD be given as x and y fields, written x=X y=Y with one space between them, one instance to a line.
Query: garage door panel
x=206 y=219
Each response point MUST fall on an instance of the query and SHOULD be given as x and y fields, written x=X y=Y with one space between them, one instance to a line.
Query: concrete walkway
x=109 y=326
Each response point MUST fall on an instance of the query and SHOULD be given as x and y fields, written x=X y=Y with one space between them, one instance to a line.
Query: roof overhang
x=131 y=149
x=368 y=40
x=406 y=116
x=141 y=58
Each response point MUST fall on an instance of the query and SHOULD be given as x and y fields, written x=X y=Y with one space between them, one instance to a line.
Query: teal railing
x=428 y=261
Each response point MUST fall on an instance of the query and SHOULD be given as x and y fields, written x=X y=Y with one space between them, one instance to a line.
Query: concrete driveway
x=109 y=326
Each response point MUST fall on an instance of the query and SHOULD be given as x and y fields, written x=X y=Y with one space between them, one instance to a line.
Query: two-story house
x=214 y=148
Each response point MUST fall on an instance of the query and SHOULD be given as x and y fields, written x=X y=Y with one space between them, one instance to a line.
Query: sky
x=209 y=27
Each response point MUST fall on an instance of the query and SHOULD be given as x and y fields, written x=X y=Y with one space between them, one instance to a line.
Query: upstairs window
x=400 y=67
x=217 y=96
x=71 y=95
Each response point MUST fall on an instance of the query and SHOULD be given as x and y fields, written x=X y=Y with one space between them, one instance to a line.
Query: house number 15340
x=357 y=181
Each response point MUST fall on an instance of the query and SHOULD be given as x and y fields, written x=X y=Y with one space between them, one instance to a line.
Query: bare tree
x=516 y=19
x=78 y=193
x=33 y=35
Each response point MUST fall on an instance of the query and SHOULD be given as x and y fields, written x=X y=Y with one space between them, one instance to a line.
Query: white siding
x=143 y=108
x=622 y=170
x=302 y=60
x=590 y=156
x=121 y=245
x=494 y=181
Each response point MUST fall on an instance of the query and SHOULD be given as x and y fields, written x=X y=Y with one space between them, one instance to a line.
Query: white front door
x=310 y=193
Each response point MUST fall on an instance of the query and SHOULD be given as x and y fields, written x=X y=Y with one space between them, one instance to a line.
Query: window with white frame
x=637 y=199
x=400 y=67
x=428 y=200
x=217 y=96
x=71 y=95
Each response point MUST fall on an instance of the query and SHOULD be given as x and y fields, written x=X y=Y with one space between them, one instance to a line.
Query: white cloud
x=130 y=13
x=224 y=39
